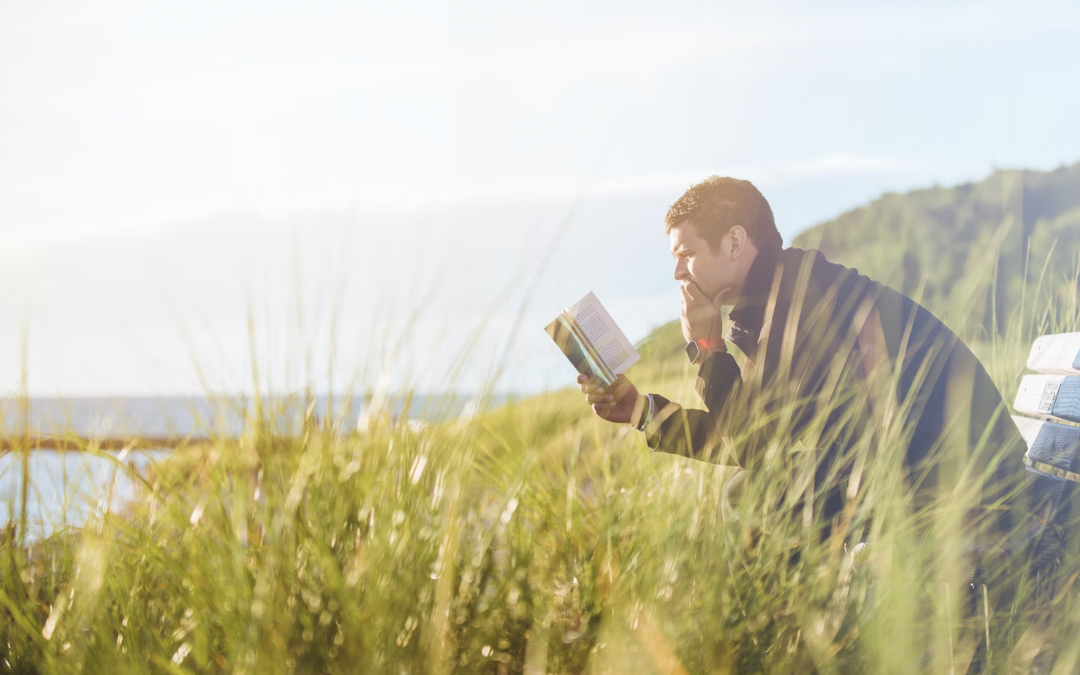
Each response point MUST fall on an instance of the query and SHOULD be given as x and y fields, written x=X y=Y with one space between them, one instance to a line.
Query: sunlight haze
x=165 y=167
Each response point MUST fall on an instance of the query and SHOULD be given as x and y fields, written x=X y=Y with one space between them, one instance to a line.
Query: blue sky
x=197 y=146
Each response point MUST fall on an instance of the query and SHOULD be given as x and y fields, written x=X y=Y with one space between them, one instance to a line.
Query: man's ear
x=738 y=242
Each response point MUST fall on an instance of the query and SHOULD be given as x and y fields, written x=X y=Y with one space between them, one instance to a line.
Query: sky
x=350 y=193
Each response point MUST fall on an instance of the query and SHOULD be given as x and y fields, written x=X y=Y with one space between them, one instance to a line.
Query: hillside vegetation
x=928 y=243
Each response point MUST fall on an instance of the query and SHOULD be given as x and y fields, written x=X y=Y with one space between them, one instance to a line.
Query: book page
x=607 y=338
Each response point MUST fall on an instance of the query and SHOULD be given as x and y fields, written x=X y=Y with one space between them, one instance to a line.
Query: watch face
x=692 y=351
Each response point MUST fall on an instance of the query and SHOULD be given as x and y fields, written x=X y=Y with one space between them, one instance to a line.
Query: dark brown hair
x=717 y=204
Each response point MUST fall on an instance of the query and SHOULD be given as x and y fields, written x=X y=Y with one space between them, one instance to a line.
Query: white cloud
x=398 y=197
x=565 y=188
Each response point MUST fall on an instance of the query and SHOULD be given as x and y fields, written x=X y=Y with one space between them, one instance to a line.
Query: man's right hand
x=615 y=403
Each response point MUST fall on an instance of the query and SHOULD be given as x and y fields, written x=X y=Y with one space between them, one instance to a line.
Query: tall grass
x=528 y=538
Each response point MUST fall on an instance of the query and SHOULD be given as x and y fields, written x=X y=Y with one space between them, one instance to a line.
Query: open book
x=591 y=340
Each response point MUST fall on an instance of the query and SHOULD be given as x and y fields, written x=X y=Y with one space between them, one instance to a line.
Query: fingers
x=620 y=386
x=603 y=410
x=586 y=381
x=691 y=291
x=687 y=297
x=590 y=385
x=596 y=394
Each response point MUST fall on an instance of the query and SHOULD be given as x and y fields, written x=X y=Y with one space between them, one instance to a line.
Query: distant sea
x=200 y=416
x=65 y=488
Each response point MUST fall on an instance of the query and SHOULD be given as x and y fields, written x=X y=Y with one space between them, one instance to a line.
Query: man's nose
x=681 y=271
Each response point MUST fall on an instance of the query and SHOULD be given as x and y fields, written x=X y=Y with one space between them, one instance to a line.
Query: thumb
x=620 y=387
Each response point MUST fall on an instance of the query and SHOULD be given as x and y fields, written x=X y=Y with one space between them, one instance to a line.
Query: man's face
x=696 y=262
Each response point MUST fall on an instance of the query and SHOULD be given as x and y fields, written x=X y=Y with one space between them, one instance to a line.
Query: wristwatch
x=696 y=349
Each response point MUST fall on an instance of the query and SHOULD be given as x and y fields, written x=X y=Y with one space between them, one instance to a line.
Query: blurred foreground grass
x=529 y=538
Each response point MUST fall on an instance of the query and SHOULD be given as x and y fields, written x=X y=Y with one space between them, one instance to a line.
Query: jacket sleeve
x=697 y=433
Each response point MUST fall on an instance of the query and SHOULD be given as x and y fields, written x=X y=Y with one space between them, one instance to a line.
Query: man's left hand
x=701 y=318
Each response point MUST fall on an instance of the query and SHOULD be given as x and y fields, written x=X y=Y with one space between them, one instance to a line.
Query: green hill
x=940 y=236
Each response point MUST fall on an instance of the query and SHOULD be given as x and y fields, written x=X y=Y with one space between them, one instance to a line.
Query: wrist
x=712 y=345
x=644 y=409
x=641 y=405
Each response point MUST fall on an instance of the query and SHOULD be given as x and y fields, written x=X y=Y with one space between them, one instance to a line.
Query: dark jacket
x=836 y=362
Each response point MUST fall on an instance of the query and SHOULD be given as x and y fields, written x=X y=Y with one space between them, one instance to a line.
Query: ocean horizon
x=159 y=417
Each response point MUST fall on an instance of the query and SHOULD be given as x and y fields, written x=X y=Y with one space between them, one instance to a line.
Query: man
x=833 y=362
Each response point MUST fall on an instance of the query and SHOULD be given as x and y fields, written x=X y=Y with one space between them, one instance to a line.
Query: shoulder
x=810 y=274
x=813 y=260
x=898 y=313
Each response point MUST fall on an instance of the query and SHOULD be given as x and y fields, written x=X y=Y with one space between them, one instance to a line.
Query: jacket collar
x=749 y=309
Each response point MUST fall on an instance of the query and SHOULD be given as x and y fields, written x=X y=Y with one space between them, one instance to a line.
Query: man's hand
x=615 y=403
x=701 y=318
